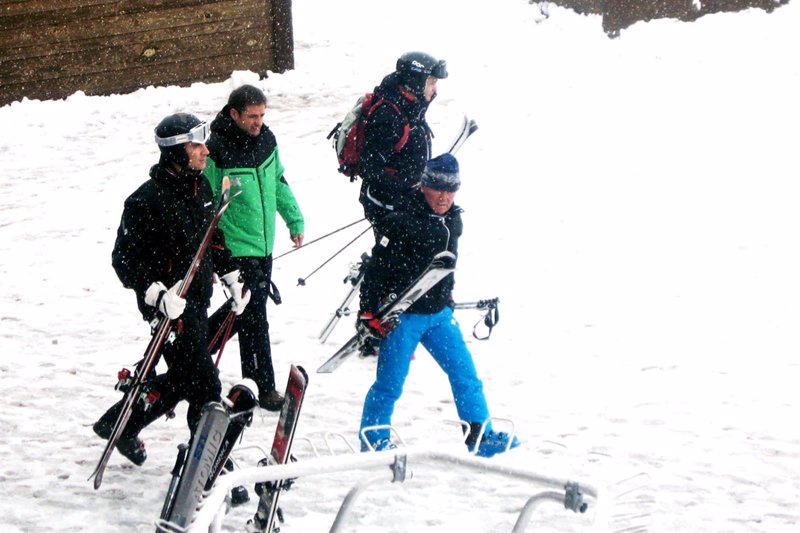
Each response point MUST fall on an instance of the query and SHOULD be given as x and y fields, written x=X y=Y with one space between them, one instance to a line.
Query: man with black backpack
x=397 y=139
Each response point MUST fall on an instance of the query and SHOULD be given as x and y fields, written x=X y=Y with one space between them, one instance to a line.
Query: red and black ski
x=264 y=519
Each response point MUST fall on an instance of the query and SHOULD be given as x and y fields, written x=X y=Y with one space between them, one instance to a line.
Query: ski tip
x=97 y=475
x=302 y=371
x=249 y=385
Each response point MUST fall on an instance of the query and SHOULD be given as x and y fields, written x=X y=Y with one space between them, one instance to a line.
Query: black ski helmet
x=413 y=69
x=174 y=131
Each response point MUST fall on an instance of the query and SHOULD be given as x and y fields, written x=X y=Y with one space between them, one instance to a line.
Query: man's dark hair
x=246 y=95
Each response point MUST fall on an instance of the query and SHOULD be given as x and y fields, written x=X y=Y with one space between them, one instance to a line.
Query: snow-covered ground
x=632 y=203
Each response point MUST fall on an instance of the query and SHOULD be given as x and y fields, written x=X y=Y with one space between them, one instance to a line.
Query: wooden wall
x=52 y=48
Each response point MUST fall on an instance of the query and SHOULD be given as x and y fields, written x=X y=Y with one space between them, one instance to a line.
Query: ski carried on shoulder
x=468 y=127
x=442 y=265
x=264 y=519
x=195 y=472
x=153 y=351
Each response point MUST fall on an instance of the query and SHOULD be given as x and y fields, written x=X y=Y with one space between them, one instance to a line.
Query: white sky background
x=632 y=202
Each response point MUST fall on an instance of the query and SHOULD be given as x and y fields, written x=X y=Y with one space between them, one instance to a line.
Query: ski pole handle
x=479 y=305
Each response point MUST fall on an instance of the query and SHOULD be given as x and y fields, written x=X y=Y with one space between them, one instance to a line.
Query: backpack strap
x=406 y=129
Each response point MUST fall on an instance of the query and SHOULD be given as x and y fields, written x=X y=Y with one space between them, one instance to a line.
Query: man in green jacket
x=243 y=148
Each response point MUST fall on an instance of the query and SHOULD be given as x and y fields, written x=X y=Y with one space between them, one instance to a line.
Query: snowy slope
x=631 y=202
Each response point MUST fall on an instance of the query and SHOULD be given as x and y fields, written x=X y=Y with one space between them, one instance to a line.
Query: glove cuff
x=154 y=293
x=230 y=278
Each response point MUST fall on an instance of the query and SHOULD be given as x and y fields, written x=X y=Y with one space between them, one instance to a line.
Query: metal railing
x=393 y=466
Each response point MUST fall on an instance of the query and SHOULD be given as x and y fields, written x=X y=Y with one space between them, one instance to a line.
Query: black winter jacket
x=162 y=225
x=412 y=237
x=386 y=173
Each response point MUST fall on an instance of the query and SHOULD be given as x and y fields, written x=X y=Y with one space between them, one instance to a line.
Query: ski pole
x=490 y=319
x=302 y=281
x=173 y=483
x=213 y=342
x=320 y=238
x=224 y=332
x=355 y=277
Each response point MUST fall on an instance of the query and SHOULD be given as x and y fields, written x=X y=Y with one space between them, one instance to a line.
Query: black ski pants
x=252 y=325
x=190 y=376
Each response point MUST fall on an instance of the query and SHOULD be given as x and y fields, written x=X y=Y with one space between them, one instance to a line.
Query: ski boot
x=131 y=448
x=491 y=443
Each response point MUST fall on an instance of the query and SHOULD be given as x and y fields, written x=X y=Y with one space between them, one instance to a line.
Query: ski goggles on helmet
x=439 y=70
x=199 y=134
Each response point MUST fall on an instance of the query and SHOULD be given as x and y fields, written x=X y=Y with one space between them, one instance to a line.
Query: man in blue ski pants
x=426 y=224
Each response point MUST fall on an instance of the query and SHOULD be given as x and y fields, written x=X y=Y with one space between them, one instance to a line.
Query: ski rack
x=214 y=504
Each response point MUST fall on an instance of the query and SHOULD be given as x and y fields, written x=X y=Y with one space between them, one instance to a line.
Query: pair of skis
x=153 y=351
x=198 y=465
x=195 y=472
x=442 y=265
x=468 y=127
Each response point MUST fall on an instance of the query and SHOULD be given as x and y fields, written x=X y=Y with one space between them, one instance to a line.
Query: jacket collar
x=224 y=126
x=185 y=181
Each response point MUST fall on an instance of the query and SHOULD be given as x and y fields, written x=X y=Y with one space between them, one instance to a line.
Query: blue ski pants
x=441 y=336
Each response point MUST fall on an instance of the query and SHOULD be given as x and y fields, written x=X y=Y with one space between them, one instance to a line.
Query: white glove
x=235 y=286
x=167 y=301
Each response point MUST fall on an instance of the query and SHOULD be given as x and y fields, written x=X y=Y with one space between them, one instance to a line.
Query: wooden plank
x=146 y=39
x=35 y=13
x=34 y=6
x=72 y=34
x=183 y=73
x=120 y=57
